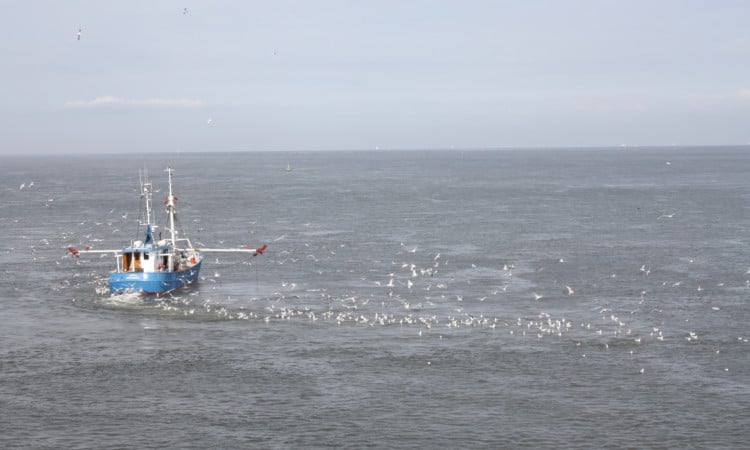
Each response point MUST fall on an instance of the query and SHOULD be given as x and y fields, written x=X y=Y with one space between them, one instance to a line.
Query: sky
x=166 y=76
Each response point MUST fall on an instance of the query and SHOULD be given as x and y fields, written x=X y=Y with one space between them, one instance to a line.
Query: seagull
x=537 y=296
x=184 y=11
x=210 y=121
x=78 y=35
x=570 y=290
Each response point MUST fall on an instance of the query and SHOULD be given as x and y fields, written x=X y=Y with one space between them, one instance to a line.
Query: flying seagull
x=78 y=35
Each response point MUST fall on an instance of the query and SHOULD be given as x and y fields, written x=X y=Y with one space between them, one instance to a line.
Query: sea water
x=524 y=298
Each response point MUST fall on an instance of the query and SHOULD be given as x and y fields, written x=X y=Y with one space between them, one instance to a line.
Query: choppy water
x=396 y=305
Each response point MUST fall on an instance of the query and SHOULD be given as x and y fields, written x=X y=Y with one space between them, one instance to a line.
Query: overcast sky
x=306 y=75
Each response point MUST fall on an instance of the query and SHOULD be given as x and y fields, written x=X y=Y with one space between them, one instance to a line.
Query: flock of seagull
x=428 y=300
x=425 y=292
x=422 y=297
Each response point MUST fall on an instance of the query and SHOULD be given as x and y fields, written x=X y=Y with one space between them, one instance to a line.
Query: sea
x=504 y=298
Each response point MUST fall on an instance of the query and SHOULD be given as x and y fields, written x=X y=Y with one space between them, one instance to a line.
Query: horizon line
x=393 y=149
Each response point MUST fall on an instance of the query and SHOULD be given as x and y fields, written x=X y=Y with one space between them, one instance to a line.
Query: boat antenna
x=170 y=208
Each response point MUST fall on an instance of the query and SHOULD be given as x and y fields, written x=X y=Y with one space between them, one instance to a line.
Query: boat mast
x=170 y=209
x=147 y=194
x=146 y=191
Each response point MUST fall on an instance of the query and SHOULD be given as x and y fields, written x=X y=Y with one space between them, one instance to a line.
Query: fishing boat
x=155 y=266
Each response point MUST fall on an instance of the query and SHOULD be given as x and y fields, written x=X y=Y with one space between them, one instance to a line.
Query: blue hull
x=147 y=283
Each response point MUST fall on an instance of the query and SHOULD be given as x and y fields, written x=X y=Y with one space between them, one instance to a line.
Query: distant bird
x=210 y=121
x=666 y=216
x=569 y=290
x=538 y=296
x=23 y=185
x=184 y=11
x=78 y=35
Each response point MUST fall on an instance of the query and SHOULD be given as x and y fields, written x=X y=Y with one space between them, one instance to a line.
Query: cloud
x=109 y=100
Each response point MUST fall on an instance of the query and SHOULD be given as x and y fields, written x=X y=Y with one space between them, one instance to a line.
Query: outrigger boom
x=156 y=267
x=255 y=251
